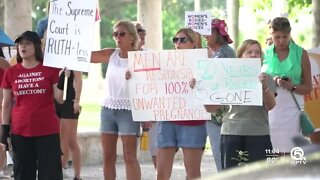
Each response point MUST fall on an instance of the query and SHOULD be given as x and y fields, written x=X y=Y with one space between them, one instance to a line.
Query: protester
x=116 y=117
x=69 y=112
x=218 y=47
x=142 y=35
x=3 y=65
x=289 y=66
x=150 y=127
x=246 y=128
x=31 y=118
x=188 y=135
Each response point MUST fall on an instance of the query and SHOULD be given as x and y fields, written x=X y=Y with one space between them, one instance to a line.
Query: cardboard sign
x=228 y=81
x=312 y=100
x=159 y=85
x=70 y=34
x=199 y=21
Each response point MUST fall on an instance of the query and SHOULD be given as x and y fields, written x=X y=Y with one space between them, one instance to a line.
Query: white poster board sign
x=198 y=21
x=232 y=81
x=159 y=85
x=70 y=34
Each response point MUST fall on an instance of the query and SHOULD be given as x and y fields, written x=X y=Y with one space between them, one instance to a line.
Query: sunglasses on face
x=116 y=34
x=182 y=40
x=140 y=31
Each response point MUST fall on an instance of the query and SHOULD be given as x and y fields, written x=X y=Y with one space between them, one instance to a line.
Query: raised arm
x=101 y=56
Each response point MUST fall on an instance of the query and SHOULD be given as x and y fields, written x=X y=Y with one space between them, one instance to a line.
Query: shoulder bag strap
x=295 y=100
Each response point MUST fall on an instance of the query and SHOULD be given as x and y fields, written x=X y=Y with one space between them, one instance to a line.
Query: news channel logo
x=297 y=156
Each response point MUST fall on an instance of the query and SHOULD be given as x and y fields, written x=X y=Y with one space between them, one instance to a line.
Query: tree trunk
x=316 y=24
x=17 y=16
x=233 y=21
x=197 y=5
x=149 y=14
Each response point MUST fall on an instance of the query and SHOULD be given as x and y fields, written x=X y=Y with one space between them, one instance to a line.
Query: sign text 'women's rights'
x=70 y=34
x=228 y=81
x=159 y=85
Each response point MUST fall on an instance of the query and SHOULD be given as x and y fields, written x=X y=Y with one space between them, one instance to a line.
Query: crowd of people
x=42 y=126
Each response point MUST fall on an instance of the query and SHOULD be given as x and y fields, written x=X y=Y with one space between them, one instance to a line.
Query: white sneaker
x=65 y=172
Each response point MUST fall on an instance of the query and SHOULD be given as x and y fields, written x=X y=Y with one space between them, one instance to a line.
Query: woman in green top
x=289 y=66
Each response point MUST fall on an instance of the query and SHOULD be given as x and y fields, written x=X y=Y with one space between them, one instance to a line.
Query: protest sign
x=159 y=85
x=232 y=81
x=312 y=100
x=198 y=21
x=70 y=34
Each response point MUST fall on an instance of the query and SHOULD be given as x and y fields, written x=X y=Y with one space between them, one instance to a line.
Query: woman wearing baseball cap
x=28 y=112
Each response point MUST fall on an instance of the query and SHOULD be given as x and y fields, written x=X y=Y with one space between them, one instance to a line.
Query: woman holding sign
x=289 y=66
x=246 y=128
x=116 y=117
x=188 y=135
x=218 y=47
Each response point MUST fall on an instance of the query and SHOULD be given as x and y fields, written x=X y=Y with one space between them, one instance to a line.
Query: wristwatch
x=294 y=88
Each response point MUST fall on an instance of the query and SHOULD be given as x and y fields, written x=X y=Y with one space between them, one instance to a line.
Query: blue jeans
x=213 y=131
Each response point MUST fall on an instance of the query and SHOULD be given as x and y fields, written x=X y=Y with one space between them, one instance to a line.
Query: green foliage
x=173 y=19
x=299 y=3
x=39 y=11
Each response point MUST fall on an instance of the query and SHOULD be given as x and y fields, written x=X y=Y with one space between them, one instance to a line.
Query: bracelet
x=294 y=88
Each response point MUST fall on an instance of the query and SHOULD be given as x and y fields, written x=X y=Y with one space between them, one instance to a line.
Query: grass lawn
x=90 y=116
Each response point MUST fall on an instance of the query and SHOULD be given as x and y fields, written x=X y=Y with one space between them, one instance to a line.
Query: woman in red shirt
x=28 y=112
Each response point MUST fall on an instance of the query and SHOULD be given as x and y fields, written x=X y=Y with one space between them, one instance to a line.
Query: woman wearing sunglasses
x=116 y=118
x=188 y=135
x=151 y=127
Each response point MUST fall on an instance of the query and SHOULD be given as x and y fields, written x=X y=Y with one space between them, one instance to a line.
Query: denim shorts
x=173 y=135
x=114 y=121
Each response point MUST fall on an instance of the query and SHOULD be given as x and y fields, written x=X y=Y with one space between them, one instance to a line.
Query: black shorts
x=65 y=110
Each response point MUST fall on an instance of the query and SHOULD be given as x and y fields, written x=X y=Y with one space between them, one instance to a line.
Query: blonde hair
x=245 y=45
x=191 y=35
x=131 y=28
